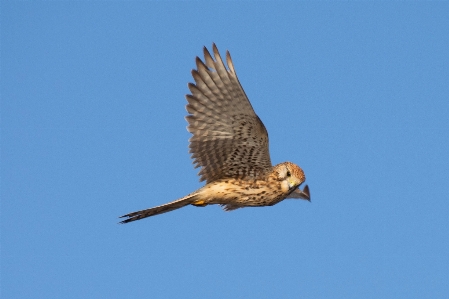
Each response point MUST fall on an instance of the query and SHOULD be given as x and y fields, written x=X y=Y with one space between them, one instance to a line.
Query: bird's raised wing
x=229 y=140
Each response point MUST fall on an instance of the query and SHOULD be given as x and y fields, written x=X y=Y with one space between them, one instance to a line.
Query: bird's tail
x=177 y=204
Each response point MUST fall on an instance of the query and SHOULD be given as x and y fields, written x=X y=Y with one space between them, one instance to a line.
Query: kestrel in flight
x=230 y=144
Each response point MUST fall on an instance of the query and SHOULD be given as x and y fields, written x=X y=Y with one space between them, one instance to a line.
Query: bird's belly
x=242 y=193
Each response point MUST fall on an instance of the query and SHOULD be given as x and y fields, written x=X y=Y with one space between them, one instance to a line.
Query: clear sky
x=92 y=127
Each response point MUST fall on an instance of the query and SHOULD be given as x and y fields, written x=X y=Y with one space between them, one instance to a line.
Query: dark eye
x=288 y=173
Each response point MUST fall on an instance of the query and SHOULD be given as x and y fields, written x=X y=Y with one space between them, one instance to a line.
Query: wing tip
x=229 y=62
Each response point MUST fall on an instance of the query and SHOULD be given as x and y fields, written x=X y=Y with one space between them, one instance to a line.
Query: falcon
x=230 y=145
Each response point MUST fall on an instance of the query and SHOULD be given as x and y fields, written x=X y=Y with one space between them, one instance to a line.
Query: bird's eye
x=288 y=173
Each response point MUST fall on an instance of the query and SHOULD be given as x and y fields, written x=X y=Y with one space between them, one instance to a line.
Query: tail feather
x=177 y=204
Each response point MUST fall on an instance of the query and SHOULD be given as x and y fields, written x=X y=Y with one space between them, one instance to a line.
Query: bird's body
x=230 y=143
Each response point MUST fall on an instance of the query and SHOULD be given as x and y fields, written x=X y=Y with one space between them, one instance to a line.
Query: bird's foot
x=200 y=203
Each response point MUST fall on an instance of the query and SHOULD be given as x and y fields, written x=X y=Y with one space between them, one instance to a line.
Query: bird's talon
x=199 y=203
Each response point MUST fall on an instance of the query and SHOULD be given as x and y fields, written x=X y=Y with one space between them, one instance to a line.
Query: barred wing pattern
x=229 y=140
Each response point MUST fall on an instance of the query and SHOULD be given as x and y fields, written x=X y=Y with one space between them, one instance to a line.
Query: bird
x=230 y=145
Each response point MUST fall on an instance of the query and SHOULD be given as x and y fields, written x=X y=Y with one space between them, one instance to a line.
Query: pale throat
x=284 y=186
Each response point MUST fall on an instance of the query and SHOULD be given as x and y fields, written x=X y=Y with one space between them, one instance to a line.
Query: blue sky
x=92 y=127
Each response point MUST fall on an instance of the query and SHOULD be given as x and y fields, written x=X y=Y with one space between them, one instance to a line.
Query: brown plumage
x=230 y=144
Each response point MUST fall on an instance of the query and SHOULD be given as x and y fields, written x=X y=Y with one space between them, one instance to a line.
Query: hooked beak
x=303 y=194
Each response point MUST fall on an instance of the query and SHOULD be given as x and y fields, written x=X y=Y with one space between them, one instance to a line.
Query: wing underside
x=229 y=139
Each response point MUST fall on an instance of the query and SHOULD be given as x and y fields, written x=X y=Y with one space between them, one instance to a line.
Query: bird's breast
x=242 y=192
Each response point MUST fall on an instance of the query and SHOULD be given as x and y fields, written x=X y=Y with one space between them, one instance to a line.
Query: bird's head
x=291 y=176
